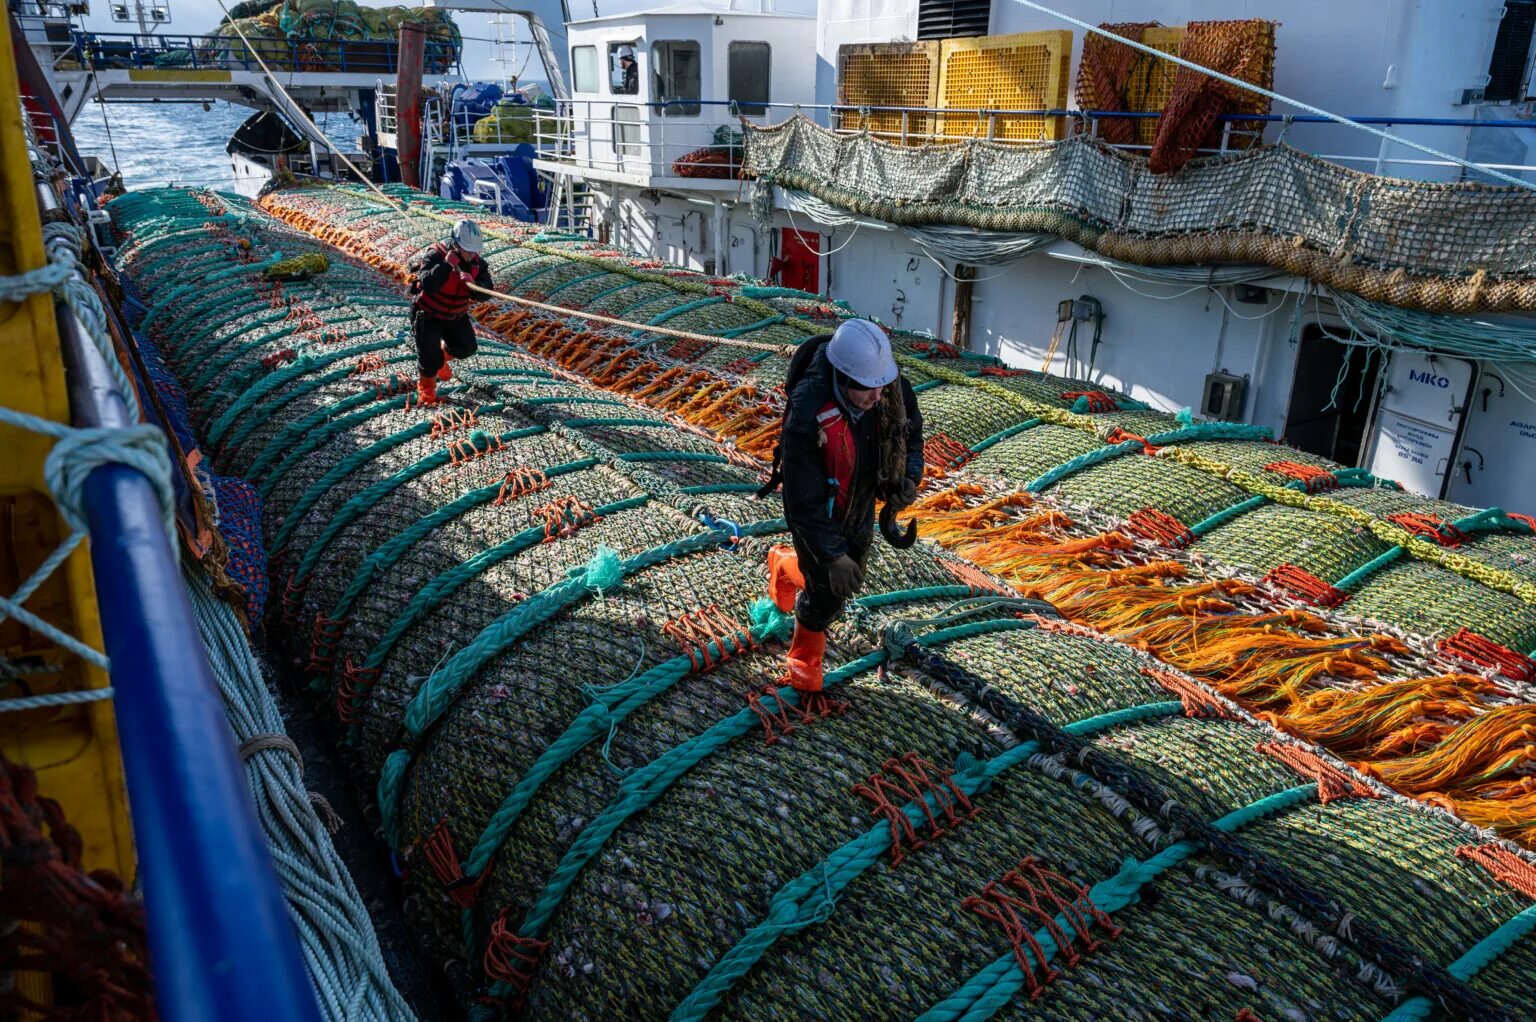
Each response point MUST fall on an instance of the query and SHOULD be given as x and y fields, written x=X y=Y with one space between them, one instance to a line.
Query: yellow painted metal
x=1151 y=81
x=1024 y=71
x=888 y=75
x=74 y=749
x=171 y=74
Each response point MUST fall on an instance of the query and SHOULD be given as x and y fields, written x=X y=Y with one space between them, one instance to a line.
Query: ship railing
x=645 y=139
x=107 y=51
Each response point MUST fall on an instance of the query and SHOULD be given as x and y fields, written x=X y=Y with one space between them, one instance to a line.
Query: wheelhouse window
x=584 y=68
x=747 y=76
x=675 y=77
x=624 y=69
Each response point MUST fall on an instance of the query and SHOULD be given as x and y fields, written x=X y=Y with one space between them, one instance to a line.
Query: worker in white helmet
x=630 y=84
x=852 y=432
x=440 y=306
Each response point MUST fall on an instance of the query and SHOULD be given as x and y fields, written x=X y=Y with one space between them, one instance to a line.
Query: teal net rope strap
x=994 y=987
x=1480 y=956
x=811 y=898
x=442 y=687
x=1097 y=456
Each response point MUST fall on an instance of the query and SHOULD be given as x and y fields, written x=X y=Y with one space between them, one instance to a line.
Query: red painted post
x=408 y=103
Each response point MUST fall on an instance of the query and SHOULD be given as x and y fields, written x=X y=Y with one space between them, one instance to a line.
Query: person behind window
x=630 y=69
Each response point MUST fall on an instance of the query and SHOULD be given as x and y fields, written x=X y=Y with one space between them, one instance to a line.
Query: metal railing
x=107 y=51
x=589 y=135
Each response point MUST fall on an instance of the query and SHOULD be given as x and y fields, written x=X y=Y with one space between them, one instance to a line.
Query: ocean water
x=162 y=143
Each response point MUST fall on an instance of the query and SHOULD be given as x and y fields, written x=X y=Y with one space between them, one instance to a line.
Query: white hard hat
x=466 y=235
x=860 y=349
x=626 y=51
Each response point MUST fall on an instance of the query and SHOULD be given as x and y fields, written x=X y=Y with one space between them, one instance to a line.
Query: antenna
x=504 y=45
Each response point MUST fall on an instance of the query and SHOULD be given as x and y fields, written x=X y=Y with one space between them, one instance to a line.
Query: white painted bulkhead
x=1158 y=341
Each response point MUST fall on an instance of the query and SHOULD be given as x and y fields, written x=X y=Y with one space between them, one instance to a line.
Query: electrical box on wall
x=1223 y=397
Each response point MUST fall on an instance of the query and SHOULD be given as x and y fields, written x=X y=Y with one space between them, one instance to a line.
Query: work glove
x=844 y=576
x=908 y=494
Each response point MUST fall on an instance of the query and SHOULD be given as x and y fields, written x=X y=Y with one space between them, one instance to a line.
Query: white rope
x=89 y=695
x=1277 y=97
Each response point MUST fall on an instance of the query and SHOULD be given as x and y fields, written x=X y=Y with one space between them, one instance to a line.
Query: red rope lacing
x=1033 y=897
x=444 y=862
x=1197 y=701
x=783 y=720
x=1332 y=782
x=1429 y=527
x=512 y=959
x=695 y=630
x=1313 y=478
x=278 y=358
x=740 y=367
x=1098 y=401
x=446 y=422
x=1306 y=585
x=938 y=349
x=1120 y=436
x=564 y=516
x=945 y=454
x=1503 y=865
x=369 y=363
x=1160 y=527
x=293 y=598
x=684 y=349
x=520 y=481
x=353 y=687
x=1000 y=371
x=913 y=779
x=323 y=637
x=1487 y=653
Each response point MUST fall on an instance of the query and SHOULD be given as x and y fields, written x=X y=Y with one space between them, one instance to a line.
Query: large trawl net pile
x=1469 y=247
x=535 y=610
x=1403 y=624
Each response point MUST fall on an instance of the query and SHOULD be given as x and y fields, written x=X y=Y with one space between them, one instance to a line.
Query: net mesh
x=597 y=819
x=1470 y=247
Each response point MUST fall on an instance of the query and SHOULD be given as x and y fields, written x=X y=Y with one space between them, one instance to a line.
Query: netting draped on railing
x=1469 y=246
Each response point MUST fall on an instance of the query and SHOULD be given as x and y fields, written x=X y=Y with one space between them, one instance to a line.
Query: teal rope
x=609 y=708
x=761 y=324
x=442 y=687
x=278 y=444
x=811 y=898
x=446 y=584
x=576 y=280
x=1211 y=431
x=1357 y=577
x=584 y=423
x=318 y=436
x=679 y=310
x=720 y=488
x=1001 y=435
x=1122 y=404
x=574 y=399
x=1481 y=955
x=301 y=366
x=390 y=552
x=1094 y=457
x=995 y=986
x=365 y=500
x=1225 y=515
x=913 y=595
x=926 y=385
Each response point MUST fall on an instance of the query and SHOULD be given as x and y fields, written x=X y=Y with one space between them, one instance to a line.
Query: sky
x=196 y=17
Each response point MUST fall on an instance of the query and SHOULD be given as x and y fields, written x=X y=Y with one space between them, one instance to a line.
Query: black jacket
x=805 y=476
x=432 y=269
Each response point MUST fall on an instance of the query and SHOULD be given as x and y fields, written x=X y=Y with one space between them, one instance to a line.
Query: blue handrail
x=222 y=942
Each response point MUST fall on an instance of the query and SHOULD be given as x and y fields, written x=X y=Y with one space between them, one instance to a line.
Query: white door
x=1414 y=435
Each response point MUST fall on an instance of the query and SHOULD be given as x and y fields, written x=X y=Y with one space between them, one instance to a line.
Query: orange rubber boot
x=426 y=390
x=445 y=374
x=784 y=578
x=805 y=652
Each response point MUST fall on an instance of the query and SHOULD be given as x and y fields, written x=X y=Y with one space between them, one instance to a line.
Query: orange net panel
x=888 y=75
x=1025 y=71
x=1104 y=77
x=1191 y=119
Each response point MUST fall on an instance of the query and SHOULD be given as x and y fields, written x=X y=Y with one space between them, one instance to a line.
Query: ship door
x=799 y=261
x=1328 y=416
x=1419 y=423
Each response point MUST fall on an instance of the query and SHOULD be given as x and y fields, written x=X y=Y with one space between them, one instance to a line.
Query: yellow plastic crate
x=1151 y=80
x=1024 y=71
x=888 y=74
x=74 y=749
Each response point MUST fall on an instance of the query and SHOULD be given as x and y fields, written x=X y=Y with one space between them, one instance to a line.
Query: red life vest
x=839 y=455
x=450 y=301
